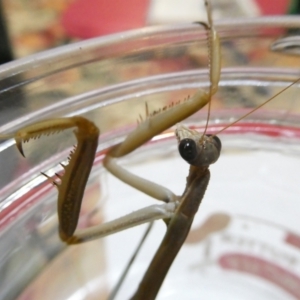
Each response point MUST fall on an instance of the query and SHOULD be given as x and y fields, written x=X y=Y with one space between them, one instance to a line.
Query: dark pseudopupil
x=187 y=149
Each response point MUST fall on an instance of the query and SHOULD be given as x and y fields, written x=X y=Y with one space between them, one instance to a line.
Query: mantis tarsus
x=76 y=173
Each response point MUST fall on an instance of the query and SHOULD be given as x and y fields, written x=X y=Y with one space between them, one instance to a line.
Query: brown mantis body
x=178 y=212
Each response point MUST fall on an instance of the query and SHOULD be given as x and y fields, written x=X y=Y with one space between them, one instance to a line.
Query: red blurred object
x=90 y=18
x=278 y=7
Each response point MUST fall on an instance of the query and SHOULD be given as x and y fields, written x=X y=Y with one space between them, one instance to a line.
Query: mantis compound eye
x=188 y=149
x=217 y=142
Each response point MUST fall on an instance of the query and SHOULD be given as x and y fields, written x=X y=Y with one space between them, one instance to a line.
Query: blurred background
x=32 y=26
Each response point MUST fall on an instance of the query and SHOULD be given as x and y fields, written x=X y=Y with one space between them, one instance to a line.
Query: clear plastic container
x=245 y=240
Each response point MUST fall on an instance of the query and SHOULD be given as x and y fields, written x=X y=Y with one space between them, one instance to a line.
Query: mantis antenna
x=258 y=107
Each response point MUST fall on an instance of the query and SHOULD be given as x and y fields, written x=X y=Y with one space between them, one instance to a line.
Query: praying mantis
x=76 y=173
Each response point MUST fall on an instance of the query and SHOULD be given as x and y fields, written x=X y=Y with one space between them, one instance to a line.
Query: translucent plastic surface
x=247 y=227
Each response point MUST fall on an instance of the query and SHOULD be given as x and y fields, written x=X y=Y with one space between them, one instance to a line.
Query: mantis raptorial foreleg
x=71 y=188
x=73 y=182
